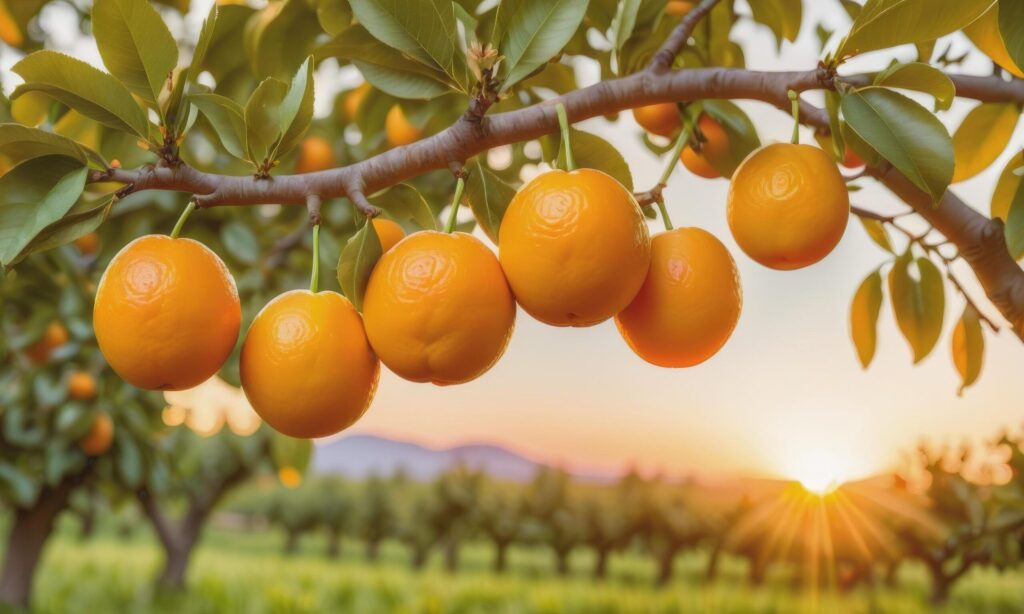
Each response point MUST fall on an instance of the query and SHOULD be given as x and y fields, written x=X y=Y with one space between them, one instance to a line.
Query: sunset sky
x=784 y=398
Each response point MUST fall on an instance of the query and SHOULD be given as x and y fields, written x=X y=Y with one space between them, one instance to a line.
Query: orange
x=851 y=159
x=661 y=119
x=315 y=154
x=53 y=337
x=101 y=434
x=10 y=33
x=399 y=129
x=438 y=308
x=353 y=100
x=689 y=303
x=715 y=147
x=290 y=477
x=167 y=313
x=575 y=247
x=388 y=232
x=678 y=8
x=88 y=243
x=788 y=205
x=81 y=386
x=306 y=366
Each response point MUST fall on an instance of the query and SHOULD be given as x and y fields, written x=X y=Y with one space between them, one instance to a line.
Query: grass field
x=247 y=573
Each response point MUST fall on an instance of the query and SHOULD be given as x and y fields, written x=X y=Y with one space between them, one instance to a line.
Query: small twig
x=313 y=206
x=666 y=55
x=365 y=207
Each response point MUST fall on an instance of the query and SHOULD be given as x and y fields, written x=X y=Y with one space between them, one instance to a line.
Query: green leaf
x=290 y=452
x=19 y=486
x=241 y=242
x=129 y=460
x=296 y=109
x=531 y=32
x=982 y=137
x=357 y=260
x=488 y=196
x=93 y=93
x=968 y=347
x=1015 y=223
x=73 y=421
x=135 y=45
x=228 y=120
x=262 y=118
x=85 y=217
x=334 y=15
x=783 y=17
x=832 y=102
x=1006 y=186
x=279 y=38
x=743 y=139
x=920 y=77
x=904 y=133
x=591 y=151
x=422 y=29
x=867 y=303
x=386 y=68
x=886 y=23
x=404 y=203
x=20 y=143
x=919 y=303
x=1011 y=26
x=876 y=231
x=203 y=44
x=33 y=195
x=623 y=22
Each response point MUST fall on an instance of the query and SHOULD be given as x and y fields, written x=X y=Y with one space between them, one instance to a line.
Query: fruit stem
x=795 y=101
x=460 y=185
x=664 y=214
x=673 y=159
x=563 y=124
x=314 y=279
x=184 y=216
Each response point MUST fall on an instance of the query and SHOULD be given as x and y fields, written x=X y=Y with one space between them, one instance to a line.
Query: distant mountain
x=358 y=456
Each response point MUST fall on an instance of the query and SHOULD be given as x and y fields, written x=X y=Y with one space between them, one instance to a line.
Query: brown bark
x=25 y=541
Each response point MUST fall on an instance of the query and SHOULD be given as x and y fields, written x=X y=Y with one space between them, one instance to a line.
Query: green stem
x=460 y=185
x=673 y=159
x=795 y=100
x=314 y=279
x=563 y=124
x=184 y=216
x=664 y=214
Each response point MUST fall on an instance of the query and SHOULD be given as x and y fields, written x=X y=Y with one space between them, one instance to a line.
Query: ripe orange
x=388 y=232
x=315 y=154
x=53 y=337
x=575 y=247
x=661 y=119
x=399 y=129
x=788 y=205
x=353 y=100
x=100 y=436
x=438 y=308
x=715 y=147
x=88 y=244
x=851 y=159
x=81 y=386
x=306 y=365
x=678 y=8
x=167 y=313
x=290 y=477
x=689 y=303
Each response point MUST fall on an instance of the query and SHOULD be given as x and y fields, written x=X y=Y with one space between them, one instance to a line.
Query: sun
x=820 y=468
x=819 y=482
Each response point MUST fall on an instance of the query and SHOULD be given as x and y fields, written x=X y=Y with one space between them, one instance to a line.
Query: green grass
x=247 y=573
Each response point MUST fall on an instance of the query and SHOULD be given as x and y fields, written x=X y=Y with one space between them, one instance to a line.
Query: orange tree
x=445 y=83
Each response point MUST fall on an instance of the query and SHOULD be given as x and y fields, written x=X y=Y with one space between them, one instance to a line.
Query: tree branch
x=979 y=239
x=675 y=42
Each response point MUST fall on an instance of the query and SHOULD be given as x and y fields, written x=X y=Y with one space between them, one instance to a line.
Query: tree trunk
x=177 y=538
x=756 y=572
x=419 y=556
x=667 y=566
x=372 y=550
x=178 y=553
x=28 y=534
x=940 y=589
x=333 y=544
x=451 y=554
x=500 y=556
x=892 y=574
x=711 y=574
x=601 y=563
x=291 y=543
x=562 y=562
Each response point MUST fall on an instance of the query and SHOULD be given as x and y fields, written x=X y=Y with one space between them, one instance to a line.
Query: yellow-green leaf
x=1011 y=27
x=531 y=32
x=968 y=347
x=360 y=255
x=886 y=23
x=920 y=77
x=867 y=303
x=876 y=231
x=918 y=302
x=488 y=196
x=135 y=45
x=1008 y=204
x=982 y=137
x=404 y=204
